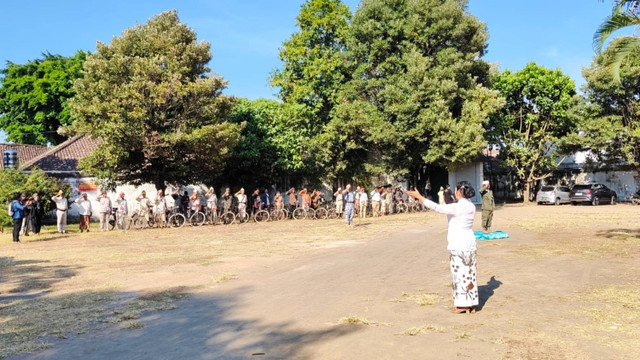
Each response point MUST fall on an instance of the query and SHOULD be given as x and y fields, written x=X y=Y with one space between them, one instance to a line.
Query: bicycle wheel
x=299 y=214
x=228 y=218
x=332 y=214
x=112 y=222
x=261 y=216
x=135 y=222
x=275 y=214
x=197 y=219
x=242 y=218
x=311 y=214
x=322 y=213
x=177 y=221
x=401 y=208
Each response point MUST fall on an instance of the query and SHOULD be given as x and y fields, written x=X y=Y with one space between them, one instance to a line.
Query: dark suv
x=595 y=194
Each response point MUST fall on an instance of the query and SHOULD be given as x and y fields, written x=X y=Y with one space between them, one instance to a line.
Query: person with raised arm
x=461 y=243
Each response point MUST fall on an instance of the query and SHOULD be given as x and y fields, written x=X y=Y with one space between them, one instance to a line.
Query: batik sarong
x=463 y=278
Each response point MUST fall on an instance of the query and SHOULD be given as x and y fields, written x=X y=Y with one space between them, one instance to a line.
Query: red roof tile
x=64 y=157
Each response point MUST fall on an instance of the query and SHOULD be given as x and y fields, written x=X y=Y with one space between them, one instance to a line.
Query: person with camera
x=62 y=207
x=37 y=212
x=16 y=211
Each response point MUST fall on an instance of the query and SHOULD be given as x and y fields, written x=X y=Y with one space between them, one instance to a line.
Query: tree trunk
x=160 y=185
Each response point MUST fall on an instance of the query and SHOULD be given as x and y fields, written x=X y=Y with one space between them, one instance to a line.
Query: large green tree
x=610 y=114
x=534 y=121
x=159 y=112
x=417 y=95
x=34 y=98
x=271 y=150
x=314 y=67
x=624 y=15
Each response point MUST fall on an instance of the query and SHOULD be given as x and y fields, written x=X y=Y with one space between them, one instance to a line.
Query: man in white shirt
x=84 y=209
x=105 y=210
x=145 y=206
x=62 y=207
x=364 y=199
x=122 y=211
x=375 y=201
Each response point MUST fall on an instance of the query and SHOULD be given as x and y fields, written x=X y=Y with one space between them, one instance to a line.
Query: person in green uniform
x=488 y=205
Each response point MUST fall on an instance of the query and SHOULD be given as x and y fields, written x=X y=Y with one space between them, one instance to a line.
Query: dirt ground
x=564 y=285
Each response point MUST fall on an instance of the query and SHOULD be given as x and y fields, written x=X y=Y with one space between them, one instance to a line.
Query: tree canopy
x=610 y=114
x=534 y=120
x=417 y=94
x=159 y=112
x=34 y=98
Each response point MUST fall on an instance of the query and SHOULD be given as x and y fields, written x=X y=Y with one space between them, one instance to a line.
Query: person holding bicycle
x=144 y=204
x=293 y=200
x=278 y=201
x=242 y=202
x=194 y=203
x=160 y=209
x=306 y=198
x=227 y=200
x=212 y=202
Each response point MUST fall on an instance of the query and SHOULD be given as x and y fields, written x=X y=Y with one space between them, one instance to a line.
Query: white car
x=553 y=195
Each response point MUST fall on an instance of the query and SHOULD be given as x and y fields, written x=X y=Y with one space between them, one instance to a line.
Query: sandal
x=462 y=310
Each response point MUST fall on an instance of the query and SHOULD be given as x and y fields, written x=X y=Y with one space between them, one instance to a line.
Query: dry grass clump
x=225 y=276
x=420 y=298
x=358 y=320
x=614 y=312
x=413 y=331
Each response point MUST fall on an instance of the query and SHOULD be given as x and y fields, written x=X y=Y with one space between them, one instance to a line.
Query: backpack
x=10 y=209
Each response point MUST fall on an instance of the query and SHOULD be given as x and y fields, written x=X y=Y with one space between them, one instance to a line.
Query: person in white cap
x=62 y=206
x=339 y=201
x=105 y=210
x=488 y=205
x=84 y=209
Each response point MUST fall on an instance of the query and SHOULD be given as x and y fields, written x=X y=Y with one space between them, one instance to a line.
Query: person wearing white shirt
x=144 y=204
x=62 y=207
x=105 y=210
x=363 y=199
x=375 y=201
x=242 y=202
x=160 y=209
x=461 y=243
x=121 y=213
x=84 y=209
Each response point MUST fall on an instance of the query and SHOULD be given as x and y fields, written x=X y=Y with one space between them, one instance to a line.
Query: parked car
x=595 y=194
x=553 y=195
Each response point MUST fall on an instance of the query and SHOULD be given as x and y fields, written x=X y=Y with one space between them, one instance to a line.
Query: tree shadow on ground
x=204 y=326
x=486 y=291
x=30 y=278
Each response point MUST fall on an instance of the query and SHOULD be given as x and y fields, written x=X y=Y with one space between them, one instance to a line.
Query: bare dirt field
x=563 y=286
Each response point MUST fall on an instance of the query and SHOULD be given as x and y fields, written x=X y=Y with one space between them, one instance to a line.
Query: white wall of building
x=473 y=173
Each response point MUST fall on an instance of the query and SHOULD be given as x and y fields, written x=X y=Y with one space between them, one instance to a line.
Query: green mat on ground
x=490 y=236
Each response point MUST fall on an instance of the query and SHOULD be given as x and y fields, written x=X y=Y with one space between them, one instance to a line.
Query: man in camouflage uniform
x=488 y=205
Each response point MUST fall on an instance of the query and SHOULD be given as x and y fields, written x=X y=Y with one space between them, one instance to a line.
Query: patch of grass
x=420 y=298
x=358 y=320
x=132 y=325
x=413 y=331
x=225 y=276
x=462 y=336
x=614 y=314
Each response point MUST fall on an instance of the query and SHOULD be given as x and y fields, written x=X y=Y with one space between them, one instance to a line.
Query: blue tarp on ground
x=490 y=236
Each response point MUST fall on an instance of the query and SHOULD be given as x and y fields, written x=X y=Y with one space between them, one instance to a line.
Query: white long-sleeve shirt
x=460 y=236
x=375 y=196
x=84 y=206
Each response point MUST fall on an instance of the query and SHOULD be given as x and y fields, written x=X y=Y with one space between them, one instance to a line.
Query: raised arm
x=448 y=209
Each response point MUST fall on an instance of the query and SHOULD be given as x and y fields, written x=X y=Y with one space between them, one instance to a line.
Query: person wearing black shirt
x=448 y=196
x=184 y=202
x=37 y=212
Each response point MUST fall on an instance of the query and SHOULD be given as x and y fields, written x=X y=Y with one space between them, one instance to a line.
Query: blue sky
x=245 y=34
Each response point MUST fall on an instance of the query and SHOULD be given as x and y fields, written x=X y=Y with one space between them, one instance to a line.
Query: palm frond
x=613 y=23
x=629 y=5
x=621 y=48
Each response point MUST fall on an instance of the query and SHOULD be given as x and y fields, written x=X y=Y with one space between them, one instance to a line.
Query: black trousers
x=36 y=221
x=17 y=225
